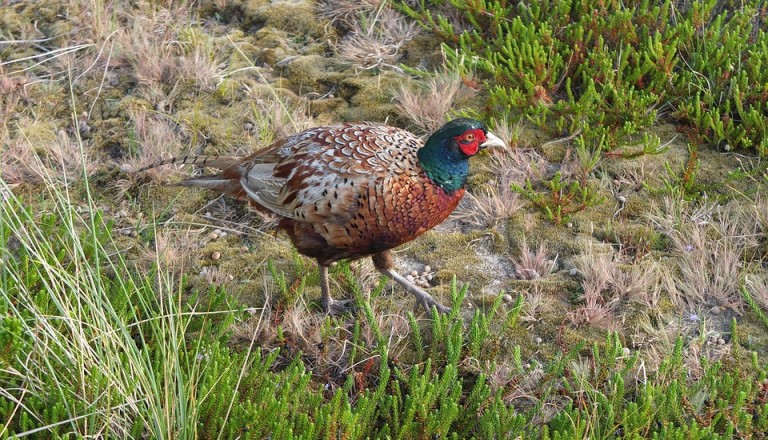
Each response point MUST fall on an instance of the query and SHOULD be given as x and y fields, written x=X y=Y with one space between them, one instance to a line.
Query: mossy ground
x=282 y=52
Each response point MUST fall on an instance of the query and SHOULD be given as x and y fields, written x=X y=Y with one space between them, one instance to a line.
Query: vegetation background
x=607 y=272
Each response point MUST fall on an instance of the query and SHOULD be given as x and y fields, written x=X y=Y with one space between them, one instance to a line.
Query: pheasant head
x=445 y=155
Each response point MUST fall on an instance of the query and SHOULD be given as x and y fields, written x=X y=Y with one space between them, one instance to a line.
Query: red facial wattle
x=469 y=141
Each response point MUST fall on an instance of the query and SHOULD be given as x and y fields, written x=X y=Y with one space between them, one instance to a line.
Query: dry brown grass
x=598 y=301
x=756 y=285
x=534 y=304
x=163 y=53
x=157 y=138
x=518 y=165
x=375 y=39
x=347 y=12
x=533 y=264
x=507 y=131
x=710 y=243
x=497 y=202
x=640 y=283
x=277 y=116
x=435 y=98
x=18 y=162
x=62 y=158
x=172 y=249
x=491 y=207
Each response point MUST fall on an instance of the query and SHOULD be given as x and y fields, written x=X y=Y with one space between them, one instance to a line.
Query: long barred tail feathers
x=226 y=181
x=220 y=162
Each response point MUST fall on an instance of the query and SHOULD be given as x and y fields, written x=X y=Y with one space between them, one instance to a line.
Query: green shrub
x=613 y=68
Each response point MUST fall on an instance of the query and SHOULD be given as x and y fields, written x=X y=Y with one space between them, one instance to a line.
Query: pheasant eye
x=470 y=137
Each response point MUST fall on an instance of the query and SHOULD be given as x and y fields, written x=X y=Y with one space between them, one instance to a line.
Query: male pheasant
x=353 y=190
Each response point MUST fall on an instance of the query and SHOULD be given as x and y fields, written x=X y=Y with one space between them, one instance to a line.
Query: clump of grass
x=498 y=201
x=710 y=244
x=32 y=160
x=640 y=283
x=162 y=48
x=438 y=96
x=275 y=116
x=376 y=37
x=346 y=12
x=532 y=264
x=103 y=350
x=489 y=208
x=154 y=139
x=598 y=301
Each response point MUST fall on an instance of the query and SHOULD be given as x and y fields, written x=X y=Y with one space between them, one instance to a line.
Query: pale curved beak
x=493 y=141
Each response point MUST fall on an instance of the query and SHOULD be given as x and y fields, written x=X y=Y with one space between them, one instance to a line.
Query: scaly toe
x=428 y=303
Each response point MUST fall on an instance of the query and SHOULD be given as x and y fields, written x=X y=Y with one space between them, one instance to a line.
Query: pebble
x=621 y=199
x=213 y=236
x=420 y=279
x=134 y=234
x=569 y=225
x=720 y=341
x=539 y=340
x=625 y=351
x=215 y=256
x=248 y=126
x=573 y=272
x=84 y=127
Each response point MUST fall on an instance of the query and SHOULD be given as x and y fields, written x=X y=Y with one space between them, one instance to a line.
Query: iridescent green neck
x=446 y=166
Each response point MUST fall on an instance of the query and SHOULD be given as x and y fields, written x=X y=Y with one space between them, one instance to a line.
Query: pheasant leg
x=330 y=305
x=384 y=264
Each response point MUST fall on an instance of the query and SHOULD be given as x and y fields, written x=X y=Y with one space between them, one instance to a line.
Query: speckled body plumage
x=349 y=191
x=366 y=192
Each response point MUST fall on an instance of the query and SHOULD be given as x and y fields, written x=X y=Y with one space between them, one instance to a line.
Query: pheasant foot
x=331 y=306
x=385 y=264
x=422 y=298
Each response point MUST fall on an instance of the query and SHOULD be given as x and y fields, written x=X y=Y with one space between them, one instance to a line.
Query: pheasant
x=353 y=190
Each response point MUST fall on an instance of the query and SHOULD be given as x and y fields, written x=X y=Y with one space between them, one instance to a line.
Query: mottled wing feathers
x=318 y=175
